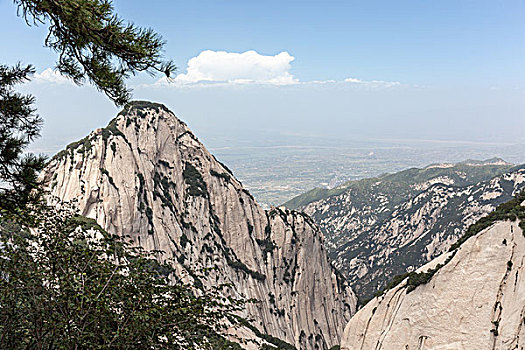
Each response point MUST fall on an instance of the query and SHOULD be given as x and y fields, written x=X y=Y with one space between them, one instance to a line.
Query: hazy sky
x=442 y=70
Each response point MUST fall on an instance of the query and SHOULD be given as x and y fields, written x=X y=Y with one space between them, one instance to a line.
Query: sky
x=448 y=70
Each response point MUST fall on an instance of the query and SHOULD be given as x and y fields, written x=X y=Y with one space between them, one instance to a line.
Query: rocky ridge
x=475 y=301
x=378 y=228
x=147 y=176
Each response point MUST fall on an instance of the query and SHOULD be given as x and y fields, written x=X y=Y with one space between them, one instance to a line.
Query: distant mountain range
x=381 y=227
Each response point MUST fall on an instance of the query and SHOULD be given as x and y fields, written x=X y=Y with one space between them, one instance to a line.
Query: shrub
x=194 y=180
x=223 y=176
x=69 y=284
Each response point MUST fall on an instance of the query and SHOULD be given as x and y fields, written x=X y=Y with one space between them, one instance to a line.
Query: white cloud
x=222 y=68
x=240 y=68
x=372 y=84
x=51 y=76
x=353 y=80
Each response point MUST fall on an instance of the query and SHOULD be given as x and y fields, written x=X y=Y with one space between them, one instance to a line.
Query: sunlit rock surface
x=148 y=177
x=476 y=301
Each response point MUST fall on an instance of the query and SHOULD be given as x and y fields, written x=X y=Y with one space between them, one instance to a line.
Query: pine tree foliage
x=68 y=284
x=19 y=125
x=94 y=44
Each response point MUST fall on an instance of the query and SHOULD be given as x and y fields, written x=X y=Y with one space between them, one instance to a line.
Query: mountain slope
x=148 y=177
x=407 y=182
x=381 y=227
x=475 y=301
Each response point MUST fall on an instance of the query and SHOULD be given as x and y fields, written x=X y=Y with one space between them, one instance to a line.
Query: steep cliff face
x=148 y=177
x=382 y=227
x=475 y=301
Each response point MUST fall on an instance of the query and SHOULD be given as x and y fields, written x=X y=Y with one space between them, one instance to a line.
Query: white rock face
x=476 y=301
x=148 y=177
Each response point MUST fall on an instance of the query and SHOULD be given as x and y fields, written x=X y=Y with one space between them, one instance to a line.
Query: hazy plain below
x=276 y=167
